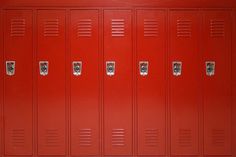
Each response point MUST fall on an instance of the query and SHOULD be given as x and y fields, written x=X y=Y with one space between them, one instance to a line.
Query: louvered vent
x=152 y=137
x=51 y=28
x=18 y=27
x=150 y=28
x=184 y=28
x=84 y=28
x=217 y=28
x=85 y=137
x=52 y=138
x=218 y=137
x=118 y=27
x=118 y=137
x=18 y=137
x=185 y=138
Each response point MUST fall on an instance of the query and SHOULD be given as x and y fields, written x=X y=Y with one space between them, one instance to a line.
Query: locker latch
x=143 y=68
x=110 y=68
x=10 y=68
x=177 y=68
x=43 y=68
x=210 y=68
x=77 y=68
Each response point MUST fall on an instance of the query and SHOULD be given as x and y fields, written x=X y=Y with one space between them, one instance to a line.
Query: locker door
x=117 y=82
x=51 y=82
x=185 y=82
x=151 y=86
x=18 y=82
x=234 y=84
x=1 y=77
x=217 y=87
x=84 y=82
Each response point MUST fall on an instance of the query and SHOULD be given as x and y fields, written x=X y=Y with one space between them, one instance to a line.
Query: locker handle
x=77 y=68
x=210 y=68
x=177 y=68
x=110 y=68
x=143 y=68
x=10 y=68
x=43 y=68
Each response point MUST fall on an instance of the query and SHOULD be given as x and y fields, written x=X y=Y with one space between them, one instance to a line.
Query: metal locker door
x=185 y=82
x=151 y=81
x=51 y=82
x=117 y=82
x=217 y=82
x=84 y=47
x=1 y=77
x=234 y=85
x=18 y=82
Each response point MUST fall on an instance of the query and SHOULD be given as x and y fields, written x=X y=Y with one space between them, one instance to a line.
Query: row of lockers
x=117 y=82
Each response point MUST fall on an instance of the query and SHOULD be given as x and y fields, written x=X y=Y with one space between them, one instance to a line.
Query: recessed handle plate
x=10 y=68
x=77 y=68
x=143 y=68
x=177 y=68
x=110 y=68
x=210 y=68
x=43 y=68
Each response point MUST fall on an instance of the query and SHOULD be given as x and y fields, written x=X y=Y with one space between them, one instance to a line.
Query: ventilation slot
x=118 y=137
x=218 y=137
x=85 y=137
x=151 y=137
x=150 y=28
x=52 y=138
x=184 y=28
x=18 y=137
x=217 y=28
x=18 y=27
x=84 y=28
x=118 y=27
x=185 y=138
x=51 y=28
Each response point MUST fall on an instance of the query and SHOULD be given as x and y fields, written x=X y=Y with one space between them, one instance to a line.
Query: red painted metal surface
x=151 y=88
x=1 y=78
x=185 y=89
x=217 y=88
x=234 y=85
x=118 y=88
x=84 y=31
x=51 y=88
x=18 y=87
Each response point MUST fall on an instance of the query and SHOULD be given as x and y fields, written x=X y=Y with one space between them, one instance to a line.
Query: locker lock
x=77 y=68
x=210 y=68
x=43 y=68
x=143 y=68
x=10 y=68
x=110 y=68
x=177 y=68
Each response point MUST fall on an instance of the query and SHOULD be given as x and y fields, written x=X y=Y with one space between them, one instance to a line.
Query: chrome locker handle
x=177 y=68
x=110 y=68
x=210 y=68
x=10 y=68
x=43 y=68
x=77 y=68
x=143 y=68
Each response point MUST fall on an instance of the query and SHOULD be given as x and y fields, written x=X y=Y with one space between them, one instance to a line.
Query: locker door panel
x=1 y=77
x=51 y=82
x=234 y=84
x=185 y=82
x=117 y=87
x=85 y=87
x=151 y=88
x=18 y=86
x=217 y=88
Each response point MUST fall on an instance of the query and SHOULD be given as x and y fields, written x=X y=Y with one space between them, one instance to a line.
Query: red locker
x=118 y=82
x=234 y=85
x=84 y=31
x=217 y=87
x=185 y=82
x=151 y=81
x=51 y=82
x=1 y=78
x=18 y=82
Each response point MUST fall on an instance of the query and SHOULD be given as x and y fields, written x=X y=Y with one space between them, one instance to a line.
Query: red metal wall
x=125 y=114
